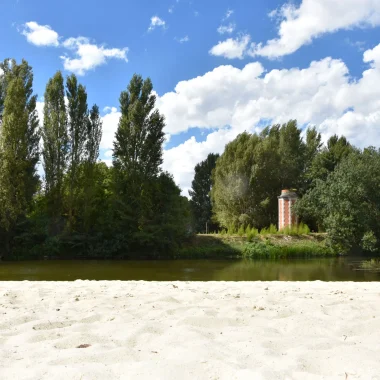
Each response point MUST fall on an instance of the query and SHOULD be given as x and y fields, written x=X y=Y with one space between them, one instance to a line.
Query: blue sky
x=218 y=67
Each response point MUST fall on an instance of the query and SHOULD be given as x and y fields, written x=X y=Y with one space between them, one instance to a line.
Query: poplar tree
x=139 y=137
x=200 y=193
x=55 y=145
x=137 y=157
x=77 y=134
x=94 y=135
x=12 y=70
x=13 y=157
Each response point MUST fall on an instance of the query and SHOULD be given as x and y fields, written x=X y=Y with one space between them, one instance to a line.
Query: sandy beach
x=189 y=330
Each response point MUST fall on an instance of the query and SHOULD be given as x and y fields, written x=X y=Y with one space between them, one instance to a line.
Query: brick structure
x=286 y=217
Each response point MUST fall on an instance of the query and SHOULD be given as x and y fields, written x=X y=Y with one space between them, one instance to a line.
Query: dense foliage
x=81 y=207
x=200 y=195
x=347 y=203
x=338 y=186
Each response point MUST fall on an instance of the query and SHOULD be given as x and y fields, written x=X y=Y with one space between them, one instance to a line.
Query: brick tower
x=286 y=216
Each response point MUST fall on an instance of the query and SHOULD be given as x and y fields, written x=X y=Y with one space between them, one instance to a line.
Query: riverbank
x=276 y=246
x=198 y=330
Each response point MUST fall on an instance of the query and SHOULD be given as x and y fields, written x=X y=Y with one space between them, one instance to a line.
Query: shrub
x=252 y=234
x=273 y=229
x=267 y=250
x=241 y=231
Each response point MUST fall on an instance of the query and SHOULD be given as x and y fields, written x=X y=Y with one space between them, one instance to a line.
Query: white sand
x=189 y=330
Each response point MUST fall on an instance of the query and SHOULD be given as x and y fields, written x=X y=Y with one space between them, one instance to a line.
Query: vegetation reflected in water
x=335 y=269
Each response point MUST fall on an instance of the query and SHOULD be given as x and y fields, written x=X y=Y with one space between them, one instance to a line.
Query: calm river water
x=336 y=269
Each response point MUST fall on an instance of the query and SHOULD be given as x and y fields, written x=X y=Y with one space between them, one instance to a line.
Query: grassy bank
x=261 y=247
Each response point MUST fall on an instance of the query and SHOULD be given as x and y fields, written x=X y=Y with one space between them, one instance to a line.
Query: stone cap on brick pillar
x=288 y=194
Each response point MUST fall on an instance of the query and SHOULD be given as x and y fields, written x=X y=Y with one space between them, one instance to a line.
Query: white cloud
x=229 y=13
x=1 y=72
x=155 y=21
x=110 y=122
x=227 y=96
x=40 y=35
x=226 y=28
x=183 y=39
x=359 y=45
x=227 y=101
x=89 y=55
x=314 y=18
x=171 y=9
x=231 y=48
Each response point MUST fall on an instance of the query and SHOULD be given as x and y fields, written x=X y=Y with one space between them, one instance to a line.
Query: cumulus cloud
x=155 y=22
x=110 y=121
x=231 y=48
x=227 y=101
x=226 y=28
x=319 y=94
x=89 y=55
x=314 y=18
x=84 y=55
x=40 y=35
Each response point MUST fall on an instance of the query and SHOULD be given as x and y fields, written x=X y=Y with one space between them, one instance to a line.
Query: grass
x=373 y=264
x=297 y=249
x=256 y=246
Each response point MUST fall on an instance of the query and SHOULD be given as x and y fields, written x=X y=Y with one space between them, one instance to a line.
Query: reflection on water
x=336 y=269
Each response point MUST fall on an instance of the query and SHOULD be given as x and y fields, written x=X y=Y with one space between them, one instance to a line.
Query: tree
x=78 y=125
x=251 y=173
x=200 y=193
x=137 y=153
x=13 y=157
x=347 y=203
x=329 y=157
x=55 y=147
x=94 y=135
x=23 y=71
x=139 y=137
x=231 y=193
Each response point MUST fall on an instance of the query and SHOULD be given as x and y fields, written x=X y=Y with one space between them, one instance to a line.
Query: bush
x=267 y=250
x=370 y=264
x=252 y=233
x=241 y=231
x=273 y=229
x=301 y=229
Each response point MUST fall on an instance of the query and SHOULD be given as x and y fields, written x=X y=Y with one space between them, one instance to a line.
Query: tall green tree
x=347 y=203
x=324 y=163
x=23 y=71
x=200 y=193
x=13 y=157
x=78 y=125
x=139 y=137
x=137 y=153
x=231 y=191
x=251 y=172
x=55 y=148
x=94 y=136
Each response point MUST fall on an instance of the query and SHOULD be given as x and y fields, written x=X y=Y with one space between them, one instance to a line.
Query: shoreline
x=189 y=330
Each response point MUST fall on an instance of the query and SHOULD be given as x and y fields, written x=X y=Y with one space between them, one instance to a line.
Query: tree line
x=81 y=207
x=338 y=185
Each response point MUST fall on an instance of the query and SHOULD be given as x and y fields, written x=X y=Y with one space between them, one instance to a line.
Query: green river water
x=332 y=269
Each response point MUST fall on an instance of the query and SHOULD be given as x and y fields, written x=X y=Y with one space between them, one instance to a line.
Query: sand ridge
x=189 y=330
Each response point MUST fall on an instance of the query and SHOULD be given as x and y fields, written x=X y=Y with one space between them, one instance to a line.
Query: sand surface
x=189 y=330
